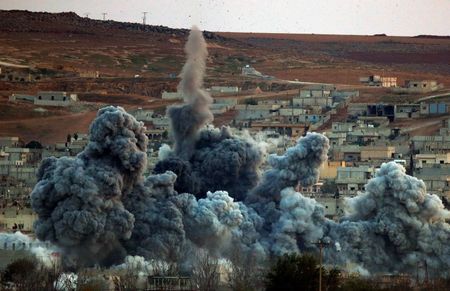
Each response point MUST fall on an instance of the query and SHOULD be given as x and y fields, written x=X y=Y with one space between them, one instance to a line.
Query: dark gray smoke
x=231 y=163
x=78 y=200
x=394 y=226
x=98 y=207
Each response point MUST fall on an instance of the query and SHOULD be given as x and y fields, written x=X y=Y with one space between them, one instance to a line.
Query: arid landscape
x=135 y=63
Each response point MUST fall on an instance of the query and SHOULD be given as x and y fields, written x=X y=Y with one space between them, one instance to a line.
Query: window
x=415 y=85
x=53 y=97
x=441 y=161
x=40 y=97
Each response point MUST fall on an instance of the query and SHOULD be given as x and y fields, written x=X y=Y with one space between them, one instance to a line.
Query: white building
x=143 y=114
x=172 y=95
x=225 y=89
x=55 y=98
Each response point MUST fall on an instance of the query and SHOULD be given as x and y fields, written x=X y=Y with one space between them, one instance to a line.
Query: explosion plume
x=206 y=193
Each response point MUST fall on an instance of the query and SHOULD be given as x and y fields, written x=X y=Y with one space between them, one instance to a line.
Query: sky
x=363 y=17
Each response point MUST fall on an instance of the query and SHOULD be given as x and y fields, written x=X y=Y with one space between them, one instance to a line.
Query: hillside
x=135 y=63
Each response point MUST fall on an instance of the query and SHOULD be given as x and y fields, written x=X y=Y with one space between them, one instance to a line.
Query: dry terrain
x=43 y=51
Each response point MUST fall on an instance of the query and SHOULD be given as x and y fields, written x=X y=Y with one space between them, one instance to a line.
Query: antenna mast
x=144 y=18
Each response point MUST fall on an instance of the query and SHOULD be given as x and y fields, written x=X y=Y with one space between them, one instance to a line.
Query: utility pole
x=104 y=15
x=86 y=14
x=321 y=244
x=144 y=18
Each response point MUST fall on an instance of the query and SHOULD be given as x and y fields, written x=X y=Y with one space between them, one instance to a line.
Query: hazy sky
x=393 y=17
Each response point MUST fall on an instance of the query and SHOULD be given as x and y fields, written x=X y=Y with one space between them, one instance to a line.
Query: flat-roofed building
x=383 y=153
x=328 y=170
x=431 y=159
x=55 y=98
x=351 y=180
x=9 y=141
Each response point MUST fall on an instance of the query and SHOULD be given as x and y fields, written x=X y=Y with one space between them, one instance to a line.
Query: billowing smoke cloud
x=206 y=194
x=78 y=200
x=394 y=226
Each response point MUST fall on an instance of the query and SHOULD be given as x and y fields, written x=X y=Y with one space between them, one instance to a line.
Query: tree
x=245 y=272
x=300 y=272
x=205 y=271
x=29 y=274
x=33 y=145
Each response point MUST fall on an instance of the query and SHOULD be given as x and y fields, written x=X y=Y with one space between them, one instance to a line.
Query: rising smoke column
x=231 y=163
x=187 y=119
x=394 y=226
x=78 y=200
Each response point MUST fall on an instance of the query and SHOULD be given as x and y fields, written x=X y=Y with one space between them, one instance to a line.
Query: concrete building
x=55 y=98
x=436 y=178
x=161 y=122
x=255 y=112
x=328 y=170
x=347 y=153
x=21 y=97
x=333 y=206
x=17 y=219
x=418 y=86
x=407 y=111
x=293 y=130
x=350 y=180
x=226 y=100
x=434 y=108
x=225 y=89
x=377 y=153
x=89 y=74
x=172 y=95
x=145 y=115
x=219 y=108
x=9 y=141
x=319 y=95
x=388 y=82
x=431 y=143
x=379 y=81
x=431 y=159
x=338 y=127
x=337 y=138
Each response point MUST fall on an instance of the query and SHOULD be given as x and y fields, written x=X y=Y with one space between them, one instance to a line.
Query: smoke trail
x=187 y=119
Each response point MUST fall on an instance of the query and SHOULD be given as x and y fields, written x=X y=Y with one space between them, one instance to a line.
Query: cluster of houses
x=359 y=145
x=410 y=86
